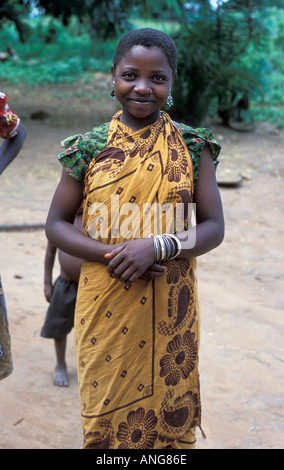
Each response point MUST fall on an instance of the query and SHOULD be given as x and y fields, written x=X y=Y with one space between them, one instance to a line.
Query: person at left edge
x=14 y=133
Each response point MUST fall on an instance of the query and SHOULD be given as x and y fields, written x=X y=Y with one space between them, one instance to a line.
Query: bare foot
x=60 y=376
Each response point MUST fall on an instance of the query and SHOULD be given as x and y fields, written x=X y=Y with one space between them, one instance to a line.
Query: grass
x=68 y=57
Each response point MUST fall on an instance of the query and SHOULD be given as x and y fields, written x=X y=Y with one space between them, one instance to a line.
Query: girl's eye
x=129 y=75
x=158 y=78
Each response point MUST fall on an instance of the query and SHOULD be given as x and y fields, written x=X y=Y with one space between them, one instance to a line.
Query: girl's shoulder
x=199 y=132
x=195 y=140
x=80 y=149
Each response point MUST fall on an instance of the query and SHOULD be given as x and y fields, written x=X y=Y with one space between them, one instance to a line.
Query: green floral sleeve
x=80 y=149
x=196 y=139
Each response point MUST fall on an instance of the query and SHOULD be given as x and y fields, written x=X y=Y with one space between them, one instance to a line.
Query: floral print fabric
x=80 y=149
x=137 y=344
x=9 y=122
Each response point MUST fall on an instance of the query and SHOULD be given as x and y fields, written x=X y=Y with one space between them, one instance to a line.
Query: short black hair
x=147 y=37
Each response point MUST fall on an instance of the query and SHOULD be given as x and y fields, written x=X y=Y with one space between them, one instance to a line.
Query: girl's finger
x=111 y=254
x=158 y=268
x=155 y=273
x=120 y=270
x=115 y=262
x=128 y=275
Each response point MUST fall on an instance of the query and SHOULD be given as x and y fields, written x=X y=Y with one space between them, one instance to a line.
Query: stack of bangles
x=166 y=247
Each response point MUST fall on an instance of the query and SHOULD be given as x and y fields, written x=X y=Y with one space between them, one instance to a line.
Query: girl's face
x=143 y=79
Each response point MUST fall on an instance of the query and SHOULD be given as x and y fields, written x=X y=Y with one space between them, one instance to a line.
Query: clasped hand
x=133 y=260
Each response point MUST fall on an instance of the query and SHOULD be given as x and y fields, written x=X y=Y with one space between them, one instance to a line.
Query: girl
x=137 y=314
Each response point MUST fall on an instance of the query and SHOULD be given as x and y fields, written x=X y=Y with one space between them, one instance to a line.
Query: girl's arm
x=60 y=230
x=209 y=230
x=48 y=269
x=129 y=263
x=11 y=147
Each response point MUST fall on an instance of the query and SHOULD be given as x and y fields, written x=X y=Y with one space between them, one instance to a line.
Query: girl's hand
x=156 y=270
x=48 y=290
x=111 y=254
x=130 y=260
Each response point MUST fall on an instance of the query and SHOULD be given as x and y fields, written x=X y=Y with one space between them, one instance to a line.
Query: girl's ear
x=174 y=77
x=112 y=71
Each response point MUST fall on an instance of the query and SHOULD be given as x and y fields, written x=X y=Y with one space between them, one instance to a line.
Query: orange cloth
x=137 y=345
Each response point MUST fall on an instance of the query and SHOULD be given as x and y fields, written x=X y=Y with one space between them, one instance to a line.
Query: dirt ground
x=240 y=284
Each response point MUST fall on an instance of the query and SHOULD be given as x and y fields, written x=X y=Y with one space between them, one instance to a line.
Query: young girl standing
x=137 y=314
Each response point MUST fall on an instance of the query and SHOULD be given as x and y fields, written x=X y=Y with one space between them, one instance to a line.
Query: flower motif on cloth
x=181 y=358
x=138 y=432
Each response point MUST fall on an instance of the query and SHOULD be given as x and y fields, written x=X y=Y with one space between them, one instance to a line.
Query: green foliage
x=104 y=19
x=224 y=63
x=268 y=64
x=13 y=10
x=53 y=53
x=226 y=56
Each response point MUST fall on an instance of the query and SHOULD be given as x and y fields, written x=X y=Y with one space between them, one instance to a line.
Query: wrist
x=166 y=247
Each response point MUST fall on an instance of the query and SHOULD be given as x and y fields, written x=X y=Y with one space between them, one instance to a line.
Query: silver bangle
x=178 y=243
x=166 y=247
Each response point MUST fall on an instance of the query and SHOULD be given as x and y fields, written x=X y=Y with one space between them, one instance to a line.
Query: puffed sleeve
x=80 y=149
x=9 y=122
x=196 y=139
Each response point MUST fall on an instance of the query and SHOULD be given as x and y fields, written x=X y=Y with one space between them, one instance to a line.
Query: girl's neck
x=135 y=123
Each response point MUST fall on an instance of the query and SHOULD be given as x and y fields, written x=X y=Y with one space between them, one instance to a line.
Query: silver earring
x=170 y=101
x=112 y=93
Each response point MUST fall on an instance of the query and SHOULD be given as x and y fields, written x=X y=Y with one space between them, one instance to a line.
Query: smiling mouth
x=140 y=100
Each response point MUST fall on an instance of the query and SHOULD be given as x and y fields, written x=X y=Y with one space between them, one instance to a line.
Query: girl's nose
x=143 y=87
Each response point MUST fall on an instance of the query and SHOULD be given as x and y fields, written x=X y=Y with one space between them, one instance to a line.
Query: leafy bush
x=53 y=53
x=210 y=81
x=223 y=69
